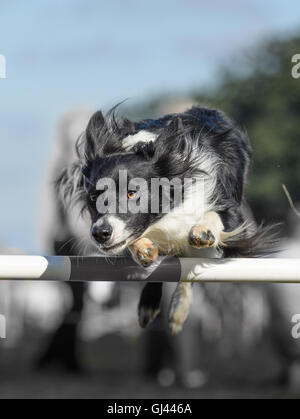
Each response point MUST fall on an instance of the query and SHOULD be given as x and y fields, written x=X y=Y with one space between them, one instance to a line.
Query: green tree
x=261 y=95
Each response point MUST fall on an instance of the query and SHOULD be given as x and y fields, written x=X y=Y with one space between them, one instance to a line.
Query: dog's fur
x=200 y=143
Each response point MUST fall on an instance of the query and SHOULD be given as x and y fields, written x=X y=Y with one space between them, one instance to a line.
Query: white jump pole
x=65 y=268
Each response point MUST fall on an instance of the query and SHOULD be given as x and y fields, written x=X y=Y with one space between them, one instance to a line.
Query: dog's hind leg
x=208 y=232
x=149 y=305
x=180 y=306
x=144 y=251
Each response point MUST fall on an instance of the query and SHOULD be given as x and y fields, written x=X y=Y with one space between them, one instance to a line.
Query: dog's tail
x=251 y=241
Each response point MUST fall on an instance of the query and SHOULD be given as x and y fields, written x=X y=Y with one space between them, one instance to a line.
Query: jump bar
x=175 y=269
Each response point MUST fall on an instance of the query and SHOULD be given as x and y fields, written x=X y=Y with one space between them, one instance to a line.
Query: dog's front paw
x=201 y=237
x=144 y=252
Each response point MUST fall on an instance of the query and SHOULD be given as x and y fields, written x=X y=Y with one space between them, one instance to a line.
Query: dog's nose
x=102 y=233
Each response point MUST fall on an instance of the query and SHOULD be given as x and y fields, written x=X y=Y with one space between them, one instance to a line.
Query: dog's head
x=130 y=175
x=115 y=179
x=114 y=199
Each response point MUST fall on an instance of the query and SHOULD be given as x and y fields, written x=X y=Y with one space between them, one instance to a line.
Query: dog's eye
x=93 y=197
x=131 y=194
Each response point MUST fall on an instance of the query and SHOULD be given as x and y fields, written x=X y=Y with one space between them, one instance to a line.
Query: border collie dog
x=200 y=146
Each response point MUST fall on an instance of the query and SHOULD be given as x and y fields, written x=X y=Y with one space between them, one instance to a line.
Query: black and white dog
x=201 y=145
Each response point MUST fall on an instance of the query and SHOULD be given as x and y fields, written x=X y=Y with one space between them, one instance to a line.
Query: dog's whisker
x=65 y=244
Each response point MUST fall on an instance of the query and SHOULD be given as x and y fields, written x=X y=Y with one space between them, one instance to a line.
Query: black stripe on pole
x=123 y=269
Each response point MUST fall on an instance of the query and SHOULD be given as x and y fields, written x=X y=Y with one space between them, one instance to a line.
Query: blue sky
x=66 y=53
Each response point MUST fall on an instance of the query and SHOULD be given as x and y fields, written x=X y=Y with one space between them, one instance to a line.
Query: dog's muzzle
x=102 y=233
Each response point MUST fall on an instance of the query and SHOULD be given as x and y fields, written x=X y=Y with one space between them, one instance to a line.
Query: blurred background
x=66 y=59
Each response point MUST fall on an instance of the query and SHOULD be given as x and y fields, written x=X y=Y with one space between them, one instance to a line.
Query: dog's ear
x=95 y=129
x=103 y=134
x=173 y=138
x=173 y=149
x=70 y=184
x=147 y=150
